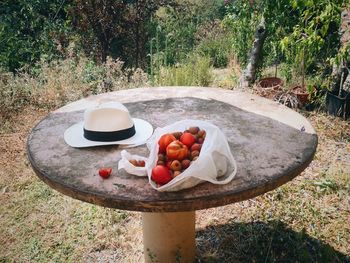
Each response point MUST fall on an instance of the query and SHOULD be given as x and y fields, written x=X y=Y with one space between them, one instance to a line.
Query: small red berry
x=105 y=172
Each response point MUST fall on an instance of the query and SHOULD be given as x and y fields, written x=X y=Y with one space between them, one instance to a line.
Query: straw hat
x=107 y=124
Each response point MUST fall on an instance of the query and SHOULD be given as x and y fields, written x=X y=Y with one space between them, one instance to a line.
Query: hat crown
x=107 y=117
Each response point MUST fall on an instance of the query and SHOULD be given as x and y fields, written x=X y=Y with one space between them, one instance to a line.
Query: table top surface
x=270 y=143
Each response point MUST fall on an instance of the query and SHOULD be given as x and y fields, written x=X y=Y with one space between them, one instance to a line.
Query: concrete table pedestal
x=169 y=237
x=270 y=143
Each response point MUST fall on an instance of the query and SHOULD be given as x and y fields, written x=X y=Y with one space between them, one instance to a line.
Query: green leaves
x=242 y=19
x=315 y=31
x=28 y=29
x=298 y=30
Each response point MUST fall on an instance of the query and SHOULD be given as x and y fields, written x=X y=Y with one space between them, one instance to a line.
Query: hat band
x=109 y=136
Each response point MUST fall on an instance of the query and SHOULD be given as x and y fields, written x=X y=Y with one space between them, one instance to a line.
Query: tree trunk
x=249 y=73
x=340 y=72
x=137 y=34
x=104 y=51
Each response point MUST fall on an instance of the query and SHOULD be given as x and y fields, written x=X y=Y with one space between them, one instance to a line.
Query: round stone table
x=271 y=144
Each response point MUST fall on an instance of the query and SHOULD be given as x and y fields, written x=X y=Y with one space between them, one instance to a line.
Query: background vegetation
x=53 y=52
x=178 y=42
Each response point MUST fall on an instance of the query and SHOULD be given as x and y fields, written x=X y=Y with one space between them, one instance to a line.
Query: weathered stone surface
x=268 y=154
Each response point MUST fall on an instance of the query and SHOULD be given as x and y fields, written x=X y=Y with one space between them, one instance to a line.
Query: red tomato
x=164 y=141
x=168 y=163
x=188 y=139
x=161 y=174
x=177 y=151
x=105 y=172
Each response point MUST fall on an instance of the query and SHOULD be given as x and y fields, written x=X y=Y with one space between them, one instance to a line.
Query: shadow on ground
x=262 y=242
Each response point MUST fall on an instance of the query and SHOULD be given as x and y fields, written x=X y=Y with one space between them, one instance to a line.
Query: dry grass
x=306 y=220
x=227 y=78
x=62 y=81
x=41 y=225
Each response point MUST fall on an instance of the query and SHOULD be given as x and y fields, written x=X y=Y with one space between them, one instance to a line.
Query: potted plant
x=269 y=86
x=270 y=83
x=300 y=91
x=338 y=103
x=338 y=97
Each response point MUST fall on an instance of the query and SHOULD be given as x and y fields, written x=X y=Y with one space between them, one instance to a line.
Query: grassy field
x=306 y=220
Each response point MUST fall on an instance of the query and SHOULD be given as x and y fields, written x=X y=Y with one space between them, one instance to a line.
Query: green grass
x=305 y=220
x=197 y=71
x=265 y=242
x=41 y=225
x=298 y=222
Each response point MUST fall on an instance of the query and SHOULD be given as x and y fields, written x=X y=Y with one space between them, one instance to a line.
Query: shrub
x=15 y=91
x=173 y=30
x=57 y=83
x=196 y=72
x=29 y=29
x=215 y=42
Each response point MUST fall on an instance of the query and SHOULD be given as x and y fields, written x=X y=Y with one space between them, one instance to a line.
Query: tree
x=315 y=39
x=103 y=19
x=30 y=29
x=114 y=27
x=296 y=31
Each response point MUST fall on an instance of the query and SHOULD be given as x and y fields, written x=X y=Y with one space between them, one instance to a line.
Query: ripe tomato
x=188 y=139
x=164 y=141
x=161 y=174
x=105 y=172
x=177 y=151
x=168 y=163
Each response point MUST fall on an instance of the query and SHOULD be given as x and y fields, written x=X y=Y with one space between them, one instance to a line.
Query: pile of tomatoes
x=177 y=151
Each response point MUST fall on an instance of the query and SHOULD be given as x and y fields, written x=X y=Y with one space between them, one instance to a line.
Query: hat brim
x=74 y=135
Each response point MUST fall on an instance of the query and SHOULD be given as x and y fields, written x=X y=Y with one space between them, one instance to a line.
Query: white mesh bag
x=215 y=163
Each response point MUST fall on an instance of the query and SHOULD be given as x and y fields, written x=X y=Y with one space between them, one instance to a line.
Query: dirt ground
x=306 y=220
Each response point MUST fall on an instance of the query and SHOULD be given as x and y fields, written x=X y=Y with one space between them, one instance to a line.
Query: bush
x=14 y=92
x=215 y=42
x=216 y=50
x=29 y=29
x=173 y=31
x=57 y=83
x=196 y=72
